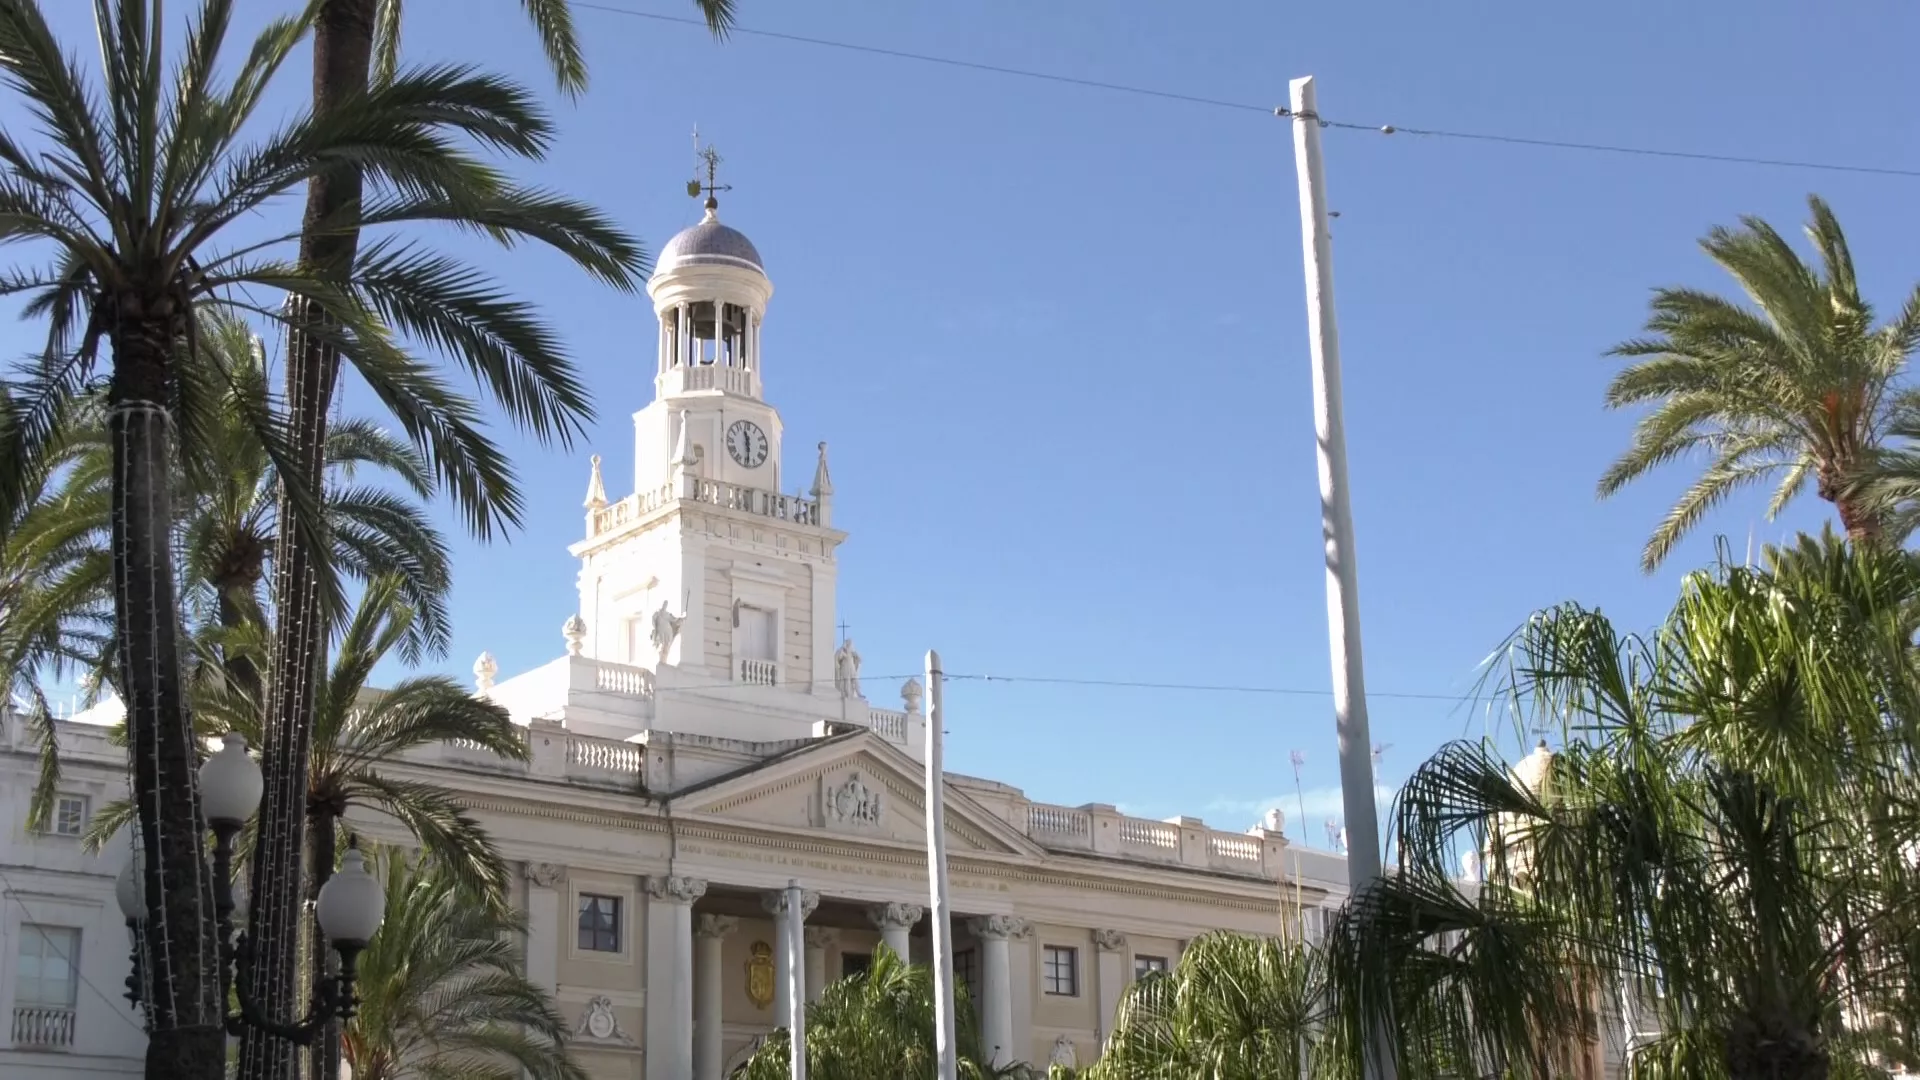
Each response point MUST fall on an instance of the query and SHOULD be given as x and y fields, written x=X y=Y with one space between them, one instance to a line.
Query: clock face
x=747 y=443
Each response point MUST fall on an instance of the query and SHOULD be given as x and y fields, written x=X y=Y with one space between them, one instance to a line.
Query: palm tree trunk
x=242 y=673
x=185 y=1008
x=1863 y=526
x=342 y=61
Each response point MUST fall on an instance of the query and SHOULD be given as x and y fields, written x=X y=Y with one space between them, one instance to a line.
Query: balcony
x=42 y=1027
x=747 y=500
x=759 y=672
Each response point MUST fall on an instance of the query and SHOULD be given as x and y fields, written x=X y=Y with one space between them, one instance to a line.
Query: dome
x=1534 y=770
x=709 y=244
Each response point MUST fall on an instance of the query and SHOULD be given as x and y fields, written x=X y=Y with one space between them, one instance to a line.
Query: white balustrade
x=749 y=500
x=1060 y=820
x=623 y=679
x=759 y=672
x=1233 y=848
x=605 y=755
x=888 y=724
x=1154 y=834
x=42 y=1027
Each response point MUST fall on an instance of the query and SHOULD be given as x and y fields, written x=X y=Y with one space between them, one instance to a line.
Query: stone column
x=996 y=977
x=1110 y=977
x=774 y=903
x=709 y=998
x=670 y=975
x=819 y=940
x=545 y=883
x=895 y=922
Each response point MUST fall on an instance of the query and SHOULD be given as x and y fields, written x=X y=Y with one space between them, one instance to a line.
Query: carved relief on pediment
x=850 y=803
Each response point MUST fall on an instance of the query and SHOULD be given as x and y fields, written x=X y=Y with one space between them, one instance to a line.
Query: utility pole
x=947 y=1060
x=1336 y=522
x=796 y=980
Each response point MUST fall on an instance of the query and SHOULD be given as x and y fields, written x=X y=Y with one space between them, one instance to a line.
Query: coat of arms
x=851 y=803
x=760 y=974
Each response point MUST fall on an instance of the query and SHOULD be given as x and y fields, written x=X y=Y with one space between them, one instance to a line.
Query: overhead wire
x=1280 y=111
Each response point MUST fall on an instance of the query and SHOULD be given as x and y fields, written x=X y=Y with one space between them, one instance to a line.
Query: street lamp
x=349 y=907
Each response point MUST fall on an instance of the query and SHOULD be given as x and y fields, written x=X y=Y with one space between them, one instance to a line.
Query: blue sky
x=1055 y=335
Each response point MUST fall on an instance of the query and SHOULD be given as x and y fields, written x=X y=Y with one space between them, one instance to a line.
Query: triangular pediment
x=857 y=787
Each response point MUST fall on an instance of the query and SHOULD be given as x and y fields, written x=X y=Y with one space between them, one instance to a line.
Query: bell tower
x=708 y=565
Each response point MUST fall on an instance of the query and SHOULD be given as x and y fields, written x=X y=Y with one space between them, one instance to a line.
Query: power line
x=1243 y=106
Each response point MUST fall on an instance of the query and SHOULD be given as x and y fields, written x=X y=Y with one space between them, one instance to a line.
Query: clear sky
x=1055 y=335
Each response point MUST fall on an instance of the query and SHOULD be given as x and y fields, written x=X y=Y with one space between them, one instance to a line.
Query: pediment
x=857 y=788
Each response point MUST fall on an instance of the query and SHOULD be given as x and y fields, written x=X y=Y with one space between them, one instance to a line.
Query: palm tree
x=442 y=993
x=133 y=191
x=1803 y=388
x=358 y=730
x=1728 y=819
x=1234 y=1008
x=877 y=1023
x=346 y=35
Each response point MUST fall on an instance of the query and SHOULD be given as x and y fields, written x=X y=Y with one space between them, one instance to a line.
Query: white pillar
x=1110 y=978
x=996 y=977
x=709 y=997
x=895 y=923
x=544 y=883
x=819 y=940
x=670 y=975
x=774 y=903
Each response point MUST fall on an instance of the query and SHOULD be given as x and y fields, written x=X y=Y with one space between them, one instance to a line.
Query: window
x=69 y=815
x=48 y=973
x=1061 y=971
x=966 y=971
x=757 y=637
x=599 y=923
x=1144 y=966
x=855 y=963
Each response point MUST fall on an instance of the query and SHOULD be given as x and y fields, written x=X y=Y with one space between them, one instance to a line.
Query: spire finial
x=822 y=483
x=706 y=157
x=596 y=487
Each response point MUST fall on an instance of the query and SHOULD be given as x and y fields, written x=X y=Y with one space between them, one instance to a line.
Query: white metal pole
x=942 y=914
x=1336 y=521
x=796 y=981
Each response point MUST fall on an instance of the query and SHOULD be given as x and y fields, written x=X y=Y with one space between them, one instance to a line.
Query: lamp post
x=349 y=907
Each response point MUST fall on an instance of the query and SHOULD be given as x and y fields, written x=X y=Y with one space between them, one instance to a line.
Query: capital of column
x=1109 y=940
x=999 y=927
x=674 y=889
x=714 y=926
x=774 y=902
x=895 y=916
x=821 y=937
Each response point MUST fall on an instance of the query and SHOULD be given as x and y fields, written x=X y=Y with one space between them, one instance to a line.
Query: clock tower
x=711 y=571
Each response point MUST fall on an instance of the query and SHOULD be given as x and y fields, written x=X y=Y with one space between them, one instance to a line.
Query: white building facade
x=702 y=740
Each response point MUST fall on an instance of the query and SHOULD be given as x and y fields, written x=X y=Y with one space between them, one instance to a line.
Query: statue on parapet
x=666 y=627
x=846 y=669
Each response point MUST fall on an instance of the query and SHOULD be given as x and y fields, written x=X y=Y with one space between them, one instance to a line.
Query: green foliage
x=1728 y=817
x=1233 y=1008
x=442 y=993
x=874 y=1024
x=1800 y=386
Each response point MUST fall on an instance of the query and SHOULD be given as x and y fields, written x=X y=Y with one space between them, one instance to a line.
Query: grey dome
x=709 y=244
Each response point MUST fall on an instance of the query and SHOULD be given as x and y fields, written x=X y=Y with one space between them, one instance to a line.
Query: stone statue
x=484 y=671
x=1275 y=821
x=1063 y=1053
x=846 y=669
x=666 y=627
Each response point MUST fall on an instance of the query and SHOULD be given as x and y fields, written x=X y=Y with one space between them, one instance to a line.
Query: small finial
x=484 y=669
x=911 y=695
x=575 y=631
x=822 y=483
x=596 y=487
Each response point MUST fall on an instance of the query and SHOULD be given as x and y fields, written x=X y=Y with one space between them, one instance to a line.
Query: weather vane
x=709 y=158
